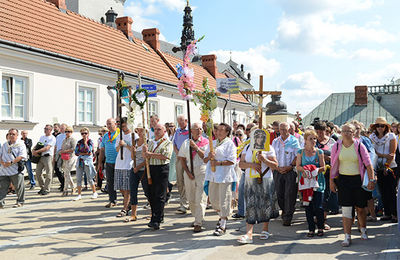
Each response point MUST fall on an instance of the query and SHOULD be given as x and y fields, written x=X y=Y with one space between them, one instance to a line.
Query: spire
x=187 y=32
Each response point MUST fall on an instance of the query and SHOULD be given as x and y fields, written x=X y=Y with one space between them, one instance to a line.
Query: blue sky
x=306 y=48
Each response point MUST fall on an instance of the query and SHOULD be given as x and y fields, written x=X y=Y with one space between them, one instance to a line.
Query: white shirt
x=249 y=157
x=284 y=156
x=127 y=162
x=226 y=151
x=9 y=153
x=382 y=145
x=198 y=163
x=59 y=140
x=48 y=140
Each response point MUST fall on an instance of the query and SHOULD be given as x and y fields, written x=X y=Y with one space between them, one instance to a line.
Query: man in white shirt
x=57 y=156
x=11 y=153
x=194 y=181
x=46 y=160
x=286 y=147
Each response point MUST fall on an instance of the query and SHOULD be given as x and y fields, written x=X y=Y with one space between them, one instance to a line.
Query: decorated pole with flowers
x=140 y=97
x=208 y=100
x=186 y=84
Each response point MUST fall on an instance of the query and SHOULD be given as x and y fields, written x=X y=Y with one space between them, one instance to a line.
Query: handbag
x=65 y=156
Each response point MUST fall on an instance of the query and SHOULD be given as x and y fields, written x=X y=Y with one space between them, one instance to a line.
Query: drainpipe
x=223 y=110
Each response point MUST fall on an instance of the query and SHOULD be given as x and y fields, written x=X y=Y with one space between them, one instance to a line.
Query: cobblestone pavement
x=54 y=227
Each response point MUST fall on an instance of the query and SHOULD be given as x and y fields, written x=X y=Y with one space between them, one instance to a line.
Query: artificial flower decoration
x=140 y=97
x=208 y=100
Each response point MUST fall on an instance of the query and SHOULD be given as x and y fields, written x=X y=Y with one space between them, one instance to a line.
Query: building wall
x=52 y=95
x=95 y=9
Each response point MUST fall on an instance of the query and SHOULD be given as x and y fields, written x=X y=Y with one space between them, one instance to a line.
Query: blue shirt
x=314 y=160
x=109 y=147
x=180 y=136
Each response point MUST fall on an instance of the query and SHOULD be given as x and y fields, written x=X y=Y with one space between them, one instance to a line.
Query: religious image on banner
x=259 y=142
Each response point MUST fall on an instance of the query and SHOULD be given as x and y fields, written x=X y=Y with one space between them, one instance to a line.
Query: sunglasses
x=84 y=133
x=380 y=126
x=68 y=131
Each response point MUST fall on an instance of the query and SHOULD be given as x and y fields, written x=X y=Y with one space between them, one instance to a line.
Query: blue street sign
x=149 y=88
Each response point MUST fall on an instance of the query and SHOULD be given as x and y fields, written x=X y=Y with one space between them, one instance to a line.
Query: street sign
x=150 y=88
x=229 y=85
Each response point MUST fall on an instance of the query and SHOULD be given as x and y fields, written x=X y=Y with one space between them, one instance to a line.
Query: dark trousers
x=330 y=200
x=158 y=191
x=112 y=194
x=59 y=175
x=315 y=209
x=286 y=191
x=387 y=187
x=134 y=180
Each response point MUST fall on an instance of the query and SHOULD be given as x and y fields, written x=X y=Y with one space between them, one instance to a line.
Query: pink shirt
x=363 y=158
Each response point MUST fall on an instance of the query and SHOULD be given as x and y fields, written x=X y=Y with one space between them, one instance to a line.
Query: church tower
x=96 y=9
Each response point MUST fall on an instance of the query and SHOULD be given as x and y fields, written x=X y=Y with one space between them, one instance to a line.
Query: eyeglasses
x=47 y=128
x=248 y=129
x=380 y=126
x=239 y=135
x=68 y=131
x=84 y=133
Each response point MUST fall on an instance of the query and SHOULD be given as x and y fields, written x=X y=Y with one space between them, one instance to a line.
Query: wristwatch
x=372 y=180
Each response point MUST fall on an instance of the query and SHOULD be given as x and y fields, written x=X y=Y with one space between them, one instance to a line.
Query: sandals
x=327 y=227
x=219 y=232
x=310 y=234
x=265 y=235
x=130 y=219
x=320 y=233
x=245 y=239
x=123 y=213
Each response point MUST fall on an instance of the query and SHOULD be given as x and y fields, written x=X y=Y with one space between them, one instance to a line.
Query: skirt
x=260 y=200
x=350 y=192
x=121 y=179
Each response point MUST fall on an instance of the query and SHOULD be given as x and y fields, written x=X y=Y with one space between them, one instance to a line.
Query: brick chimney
x=209 y=62
x=361 y=95
x=152 y=37
x=59 y=3
x=124 y=24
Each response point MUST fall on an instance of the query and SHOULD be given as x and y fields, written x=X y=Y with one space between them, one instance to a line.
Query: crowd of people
x=328 y=168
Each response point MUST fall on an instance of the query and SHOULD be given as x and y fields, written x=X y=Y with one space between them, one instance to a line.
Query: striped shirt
x=9 y=153
x=162 y=146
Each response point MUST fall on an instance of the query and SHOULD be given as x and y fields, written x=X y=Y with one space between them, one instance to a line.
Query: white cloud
x=303 y=92
x=379 y=77
x=138 y=12
x=310 y=26
x=254 y=61
x=374 y=55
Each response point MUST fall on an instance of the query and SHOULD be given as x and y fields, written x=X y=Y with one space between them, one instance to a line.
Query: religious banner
x=259 y=142
x=229 y=85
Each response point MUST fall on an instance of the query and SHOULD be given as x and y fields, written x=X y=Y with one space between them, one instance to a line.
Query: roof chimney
x=111 y=15
x=124 y=24
x=361 y=95
x=209 y=62
x=152 y=37
x=60 y=4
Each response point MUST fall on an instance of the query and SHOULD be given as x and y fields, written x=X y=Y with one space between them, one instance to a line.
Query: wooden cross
x=262 y=94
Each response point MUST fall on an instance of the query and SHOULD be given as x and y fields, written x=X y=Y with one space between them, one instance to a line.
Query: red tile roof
x=40 y=24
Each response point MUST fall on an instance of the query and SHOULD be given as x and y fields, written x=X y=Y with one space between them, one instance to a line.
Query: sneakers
x=237 y=216
x=32 y=187
x=364 y=235
x=265 y=235
x=245 y=240
x=79 y=197
x=181 y=210
x=94 y=195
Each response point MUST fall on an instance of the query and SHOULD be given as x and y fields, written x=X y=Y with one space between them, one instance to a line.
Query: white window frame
x=157 y=112
x=95 y=106
x=176 y=112
x=27 y=78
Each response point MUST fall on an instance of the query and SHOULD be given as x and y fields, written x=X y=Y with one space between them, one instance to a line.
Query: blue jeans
x=134 y=180
x=241 y=203
x=28 y=165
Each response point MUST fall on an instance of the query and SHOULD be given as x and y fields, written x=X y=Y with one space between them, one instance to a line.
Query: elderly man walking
x=108 y=149
x=181 y=134
x=194 y=181
x=286 y=147
x=11 y=153
x=57 y=156
x=46 y=160
x=159 y=153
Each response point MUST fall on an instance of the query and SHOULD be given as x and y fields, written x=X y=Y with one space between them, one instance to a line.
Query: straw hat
x=139 y=125
x=380 y=121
